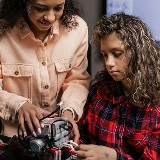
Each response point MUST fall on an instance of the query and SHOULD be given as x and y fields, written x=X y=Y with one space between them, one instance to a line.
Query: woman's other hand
x=75 y=134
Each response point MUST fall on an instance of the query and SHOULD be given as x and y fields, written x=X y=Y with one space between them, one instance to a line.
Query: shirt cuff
x=20 y=105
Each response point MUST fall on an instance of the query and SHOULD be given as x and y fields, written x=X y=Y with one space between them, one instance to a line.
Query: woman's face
x=113 y=51
x=43 y=13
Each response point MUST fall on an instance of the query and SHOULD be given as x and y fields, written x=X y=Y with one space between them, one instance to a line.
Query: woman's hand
x=68 y=114
x=30 y=114
x=95 y=152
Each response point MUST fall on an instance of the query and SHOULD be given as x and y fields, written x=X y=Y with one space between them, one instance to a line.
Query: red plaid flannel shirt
x=112 y=121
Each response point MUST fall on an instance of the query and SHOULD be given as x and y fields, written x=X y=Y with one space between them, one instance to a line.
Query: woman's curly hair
x=11 y=11
x=144 y=66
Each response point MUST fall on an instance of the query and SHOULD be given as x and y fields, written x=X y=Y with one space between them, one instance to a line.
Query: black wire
x=50 y=113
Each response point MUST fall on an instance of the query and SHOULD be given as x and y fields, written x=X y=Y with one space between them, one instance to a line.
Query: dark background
x=92 y=12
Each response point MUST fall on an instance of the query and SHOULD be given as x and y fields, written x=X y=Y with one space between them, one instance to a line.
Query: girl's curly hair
x=144 y=66
x=12 y=11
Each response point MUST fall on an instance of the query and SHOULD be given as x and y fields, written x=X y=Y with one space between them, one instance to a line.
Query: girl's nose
x=110 y=61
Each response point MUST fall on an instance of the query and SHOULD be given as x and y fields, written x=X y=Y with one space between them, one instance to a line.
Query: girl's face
x=43 y=13
x=116 y=61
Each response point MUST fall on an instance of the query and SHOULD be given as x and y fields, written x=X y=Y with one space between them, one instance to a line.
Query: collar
x=111 y=91
x=25 y=30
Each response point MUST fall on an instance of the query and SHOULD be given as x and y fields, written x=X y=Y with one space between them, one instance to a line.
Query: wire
x=51 y=113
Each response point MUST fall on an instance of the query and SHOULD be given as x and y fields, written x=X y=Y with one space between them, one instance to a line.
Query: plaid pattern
x=112 y=121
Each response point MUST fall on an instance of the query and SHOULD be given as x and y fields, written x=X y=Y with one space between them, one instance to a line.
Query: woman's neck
x=41 y=35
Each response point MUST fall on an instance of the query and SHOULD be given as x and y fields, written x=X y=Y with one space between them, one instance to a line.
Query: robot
x=53 y=140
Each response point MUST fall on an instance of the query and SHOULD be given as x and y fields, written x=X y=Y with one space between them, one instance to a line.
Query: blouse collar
x=25 y=30
x=111 y=91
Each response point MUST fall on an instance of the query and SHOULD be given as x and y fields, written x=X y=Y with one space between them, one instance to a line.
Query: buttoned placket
x=45 y=87
x=121 y=125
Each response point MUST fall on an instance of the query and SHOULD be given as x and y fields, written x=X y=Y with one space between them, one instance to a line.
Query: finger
x=22 y=126
x=44 y=113
x=39 y=113
x=30 y=125
x=54 y=115
x=81 y=154
x=84 y=155
x=85 y=147
x=76 y=133
x=48 y=114
x=36 y=123
x=37 y=116
x=89 y=158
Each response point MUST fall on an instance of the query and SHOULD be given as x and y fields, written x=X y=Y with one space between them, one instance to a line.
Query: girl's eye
x=105 y=56
x=117 y=54
x=40 y=9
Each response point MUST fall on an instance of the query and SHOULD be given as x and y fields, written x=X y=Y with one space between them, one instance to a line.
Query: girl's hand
x=95 y=152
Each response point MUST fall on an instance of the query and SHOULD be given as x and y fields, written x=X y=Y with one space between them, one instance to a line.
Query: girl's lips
x=112 y=71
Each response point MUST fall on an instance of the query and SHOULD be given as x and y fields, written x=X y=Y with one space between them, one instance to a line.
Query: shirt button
x=16 y=72
x=43 y=63
x=46 y=105
x=21 y=27
x=45 y=44
x=10 y=118
x=41 y=44
x=46 y=86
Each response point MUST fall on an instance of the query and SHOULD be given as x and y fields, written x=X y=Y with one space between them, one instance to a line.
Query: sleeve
x=84 y=139
x=9 y=102
x=84 y=128
x=76 y=84
x=152 y=148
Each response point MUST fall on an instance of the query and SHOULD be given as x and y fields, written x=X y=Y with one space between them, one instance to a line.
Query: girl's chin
x=118 y=78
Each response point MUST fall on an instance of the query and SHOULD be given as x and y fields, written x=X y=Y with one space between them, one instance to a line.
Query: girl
x=122 y=113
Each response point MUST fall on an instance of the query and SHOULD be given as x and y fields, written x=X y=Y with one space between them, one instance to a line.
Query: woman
x=122 y=113
x=43 y=50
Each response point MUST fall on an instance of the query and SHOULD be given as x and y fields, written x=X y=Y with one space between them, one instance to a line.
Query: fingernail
x=39 y=130
x=42 y=125
x=34 y=134
x=24 y=134
x=55 y=114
